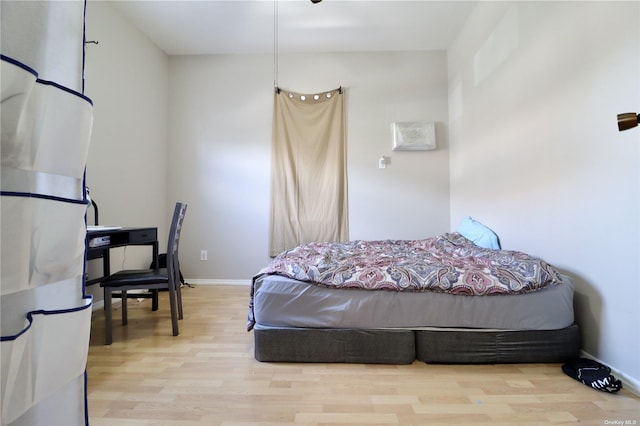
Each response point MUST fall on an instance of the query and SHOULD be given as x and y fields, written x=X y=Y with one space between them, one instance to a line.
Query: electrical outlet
x=383 y=162
x=203 y=255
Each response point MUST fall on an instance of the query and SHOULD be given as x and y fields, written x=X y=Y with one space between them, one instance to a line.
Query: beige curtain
x=308 y=170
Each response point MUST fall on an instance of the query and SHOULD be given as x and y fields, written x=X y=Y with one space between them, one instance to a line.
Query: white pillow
x=478 y=233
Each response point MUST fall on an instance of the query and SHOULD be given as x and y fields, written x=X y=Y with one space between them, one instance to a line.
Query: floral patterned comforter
x=447 y=263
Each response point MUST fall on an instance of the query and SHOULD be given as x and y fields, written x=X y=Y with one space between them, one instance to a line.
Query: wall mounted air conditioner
x=413 y=136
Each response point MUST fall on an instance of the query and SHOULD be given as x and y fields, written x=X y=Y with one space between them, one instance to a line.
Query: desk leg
x=107 y=317
x=154 y=293
x=106 y=264
x=106 y=271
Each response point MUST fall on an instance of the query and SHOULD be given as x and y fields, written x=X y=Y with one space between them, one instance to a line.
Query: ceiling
x=184 y=27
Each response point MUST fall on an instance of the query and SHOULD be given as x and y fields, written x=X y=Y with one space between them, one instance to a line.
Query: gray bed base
x=405 y=346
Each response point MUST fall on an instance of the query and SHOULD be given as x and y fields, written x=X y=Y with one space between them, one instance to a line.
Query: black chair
x=149 y=279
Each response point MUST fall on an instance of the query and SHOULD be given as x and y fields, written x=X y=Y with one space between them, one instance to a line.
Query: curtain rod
x=278 y=90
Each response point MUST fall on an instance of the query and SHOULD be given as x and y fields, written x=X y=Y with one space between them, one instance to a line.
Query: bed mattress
x=284 y=302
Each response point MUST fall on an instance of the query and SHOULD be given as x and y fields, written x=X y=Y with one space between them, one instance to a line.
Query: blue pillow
x=478 y=233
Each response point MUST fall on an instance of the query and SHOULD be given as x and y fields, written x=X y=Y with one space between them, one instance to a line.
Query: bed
x=443 y=299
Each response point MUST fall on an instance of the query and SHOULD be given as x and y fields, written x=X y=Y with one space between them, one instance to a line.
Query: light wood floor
x=207 y=376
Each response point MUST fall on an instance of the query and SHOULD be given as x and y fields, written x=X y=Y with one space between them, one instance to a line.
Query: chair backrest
x=173 y=264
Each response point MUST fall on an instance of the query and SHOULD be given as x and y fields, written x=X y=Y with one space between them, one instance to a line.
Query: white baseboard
x=96 y=306
x=212 y=281
x=99 y=304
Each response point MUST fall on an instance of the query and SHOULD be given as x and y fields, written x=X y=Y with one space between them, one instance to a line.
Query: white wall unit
x=46 y=127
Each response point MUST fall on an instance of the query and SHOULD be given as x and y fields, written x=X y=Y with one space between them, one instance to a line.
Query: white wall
x=127 y=79
x=220 y=138
x=534 y=91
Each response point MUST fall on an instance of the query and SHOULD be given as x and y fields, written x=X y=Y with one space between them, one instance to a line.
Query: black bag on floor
x=162 y=263
x=592 y=374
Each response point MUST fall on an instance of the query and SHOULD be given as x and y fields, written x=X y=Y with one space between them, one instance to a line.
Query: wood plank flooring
x=207 y=376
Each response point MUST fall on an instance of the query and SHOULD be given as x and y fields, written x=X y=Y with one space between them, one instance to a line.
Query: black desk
x=118 y=238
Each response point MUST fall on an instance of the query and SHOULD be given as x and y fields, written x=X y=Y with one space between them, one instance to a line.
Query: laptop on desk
x=100 y=240
x=94 y=228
